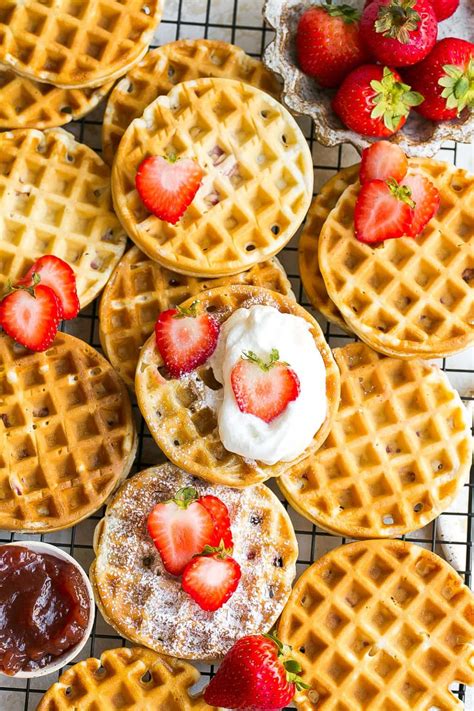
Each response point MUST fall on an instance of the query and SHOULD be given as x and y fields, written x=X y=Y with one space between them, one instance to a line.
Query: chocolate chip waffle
x=172 y=64
x=407 y=297
x=76 y=43
x=148 y=606
x=181 y=412
x=398 y=452
x=28 y=104
x=257 y=184
x=136 y=678
x=55 y=199
x=140 y=289
x=67 y=436
x=383 y=625
x=311 y=276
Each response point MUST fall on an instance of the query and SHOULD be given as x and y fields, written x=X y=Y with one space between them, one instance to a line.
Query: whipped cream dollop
x=260 y=329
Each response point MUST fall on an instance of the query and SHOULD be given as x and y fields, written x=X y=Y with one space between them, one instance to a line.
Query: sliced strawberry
x=185 y=339
x=167 y=186
x=220 y=515
x=381 y=161
x=212 y=578
x=59 y=276
x=426 y=198
x=180 y=529
x=384 y=210
x=264 y=389
x=31 y=316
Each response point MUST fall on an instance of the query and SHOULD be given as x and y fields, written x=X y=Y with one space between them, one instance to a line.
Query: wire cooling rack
x=452 y=534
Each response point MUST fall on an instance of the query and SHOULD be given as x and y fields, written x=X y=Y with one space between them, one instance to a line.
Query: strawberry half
x=167 y=186
x=264 y=389
x=185 y=339
x=211 y=578
x=384 y=210
x=220 y=515
x=31 y=316
x=426 y=198
x=381 y=161
x=59 y=276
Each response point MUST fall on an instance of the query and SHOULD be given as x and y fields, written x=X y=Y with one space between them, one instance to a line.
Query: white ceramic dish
x=67 y=657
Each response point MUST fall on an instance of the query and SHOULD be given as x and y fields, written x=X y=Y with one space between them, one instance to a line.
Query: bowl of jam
x=46 y=609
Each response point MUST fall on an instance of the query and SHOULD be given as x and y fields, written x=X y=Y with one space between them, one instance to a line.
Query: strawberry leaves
x=393 y=99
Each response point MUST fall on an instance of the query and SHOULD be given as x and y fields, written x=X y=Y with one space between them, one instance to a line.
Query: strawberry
x=31 y=315
x=220 y=515
x=399 y=32
x=185 y=339
x=167 y=186
x=381 y=161
x=446 y=78
x=426 y=198
x=180 y=528
x=383 y=210
x=211 y=578
x=328 y=43
x=444 y=8
x=373 y=101
x=59 y=276
x=256 y=673
x=263 y=389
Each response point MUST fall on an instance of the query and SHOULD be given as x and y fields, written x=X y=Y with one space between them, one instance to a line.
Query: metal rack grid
x=240 y=22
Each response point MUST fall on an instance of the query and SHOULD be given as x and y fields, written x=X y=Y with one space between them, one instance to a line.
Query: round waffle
x=55 y=199
x=136 y=678
x=28 y=104
x=71 y=43
x=140 y=289
x=172 y=64
x=148 y=606
x=311 y=276
x=407 y=297
x=257 y=185
x=380 y=625
x=181 y=412
x=398 y=452
x=67 y=436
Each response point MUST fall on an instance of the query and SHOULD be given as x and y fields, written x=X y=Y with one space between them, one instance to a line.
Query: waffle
x=380 y=626
x=136 y=678
x=28 y=104
x=311 y=276
x=181 y=412
x=55 y=199
x=257 y=185
x=67 y=436
x=75 y=43
x=397 y=454
x=407 y=297
x=140 y=289
x=171 y=64
x=148 y=606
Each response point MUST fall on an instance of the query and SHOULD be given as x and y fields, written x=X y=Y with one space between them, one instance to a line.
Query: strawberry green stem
x=458 y=86
x=393 y=99
x=397 y=20
x=265 y=366
x=291 y=666
x=184 y=497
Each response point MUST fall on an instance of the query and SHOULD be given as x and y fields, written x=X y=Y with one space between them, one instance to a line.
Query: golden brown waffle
x=171 y=64
x=75 y=43
x=28 y=104
x=148 y=606
x=407 y=297
x=136 y=679
x=181 y=412
x=140 y=289
x=382 y=626
x=55 y=199
x=67 y=436
x=311 y=276
x=257 y=185
x=397 y=454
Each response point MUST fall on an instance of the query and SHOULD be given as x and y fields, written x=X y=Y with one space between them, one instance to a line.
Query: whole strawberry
x=329 y=44
x=256 y=673
x=444 y=8
x=446 y=78
x=373 y=101
x=399 y=32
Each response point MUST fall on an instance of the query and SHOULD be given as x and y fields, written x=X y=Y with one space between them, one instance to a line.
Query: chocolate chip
x=256 y=519
x=278 y=562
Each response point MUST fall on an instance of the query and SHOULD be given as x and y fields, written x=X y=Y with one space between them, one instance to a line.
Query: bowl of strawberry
x=401 y=70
